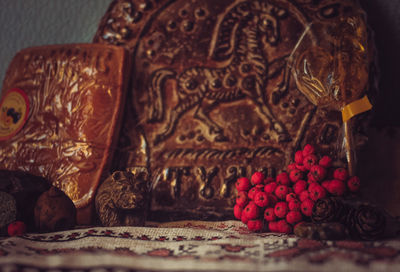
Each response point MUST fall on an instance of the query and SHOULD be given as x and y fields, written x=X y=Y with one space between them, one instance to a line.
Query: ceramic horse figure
x=238 y=43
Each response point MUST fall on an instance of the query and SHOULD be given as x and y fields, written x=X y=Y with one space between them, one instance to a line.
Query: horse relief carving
x=239 y=39
x=220 y=89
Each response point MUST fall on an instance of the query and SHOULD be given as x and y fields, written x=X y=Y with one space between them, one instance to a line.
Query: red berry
x=261 y=199
x=273 y=226
x=281 y=209
x=294 y=205
x=284 y=227
x=272 y=200
x=325 y=161
x=257 y=178
x=269 y=180
x=295 y=175
x=301 y=167
x=291 y=167
x=16 y=228
x=283 y=178
x=251 y=211
x=318 y=172
x=353 y=184
x=309 y=161
x=298 y=157
x=325 y=184
x=270 y=187
x=269 y=214
x=290 y=196
x=253 y=191
x=311 y=178
x=260 y=186
x=304 y=195
x=281 y=191
x=340 y=174
x=300 y=186
x=311 y=186
x=244 y=219
x=237 y=211
x=307 y=207
x=317 y=192
x=293 y=217
x=243 y=184
x=255 y=225
x=308 y=150
x=242 y=199
x=336 y=187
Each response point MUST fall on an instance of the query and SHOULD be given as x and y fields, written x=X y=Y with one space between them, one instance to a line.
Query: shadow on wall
x=384 y=19
x=379 y=161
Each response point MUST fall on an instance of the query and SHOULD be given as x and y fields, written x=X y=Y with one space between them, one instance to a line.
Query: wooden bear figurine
x=121 y=200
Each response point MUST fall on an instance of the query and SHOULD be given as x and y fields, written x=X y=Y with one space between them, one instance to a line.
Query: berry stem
x=349 y=147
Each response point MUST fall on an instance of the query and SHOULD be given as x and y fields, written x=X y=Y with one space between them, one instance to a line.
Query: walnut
x=121 y=200
x=54 y=211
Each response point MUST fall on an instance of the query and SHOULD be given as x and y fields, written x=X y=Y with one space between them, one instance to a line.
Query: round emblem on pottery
x=14 y=110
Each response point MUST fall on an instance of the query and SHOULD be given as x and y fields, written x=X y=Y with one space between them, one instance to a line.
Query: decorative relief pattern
x=204 y=88
x=231 y=85
x=207 y=154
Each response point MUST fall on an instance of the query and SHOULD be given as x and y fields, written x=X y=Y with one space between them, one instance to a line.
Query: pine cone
x=331 y=209
x=366 y=223
x=324 y=231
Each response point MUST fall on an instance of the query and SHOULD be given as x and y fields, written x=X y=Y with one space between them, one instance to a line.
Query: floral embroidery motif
x=194 y=244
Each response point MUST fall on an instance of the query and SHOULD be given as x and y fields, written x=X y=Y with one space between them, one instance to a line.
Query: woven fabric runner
x=191 y=246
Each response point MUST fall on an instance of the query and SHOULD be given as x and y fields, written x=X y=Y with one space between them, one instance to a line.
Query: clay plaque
x=61 y=111
x=220 y=89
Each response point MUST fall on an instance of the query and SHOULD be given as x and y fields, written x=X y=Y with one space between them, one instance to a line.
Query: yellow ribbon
x=355 y=108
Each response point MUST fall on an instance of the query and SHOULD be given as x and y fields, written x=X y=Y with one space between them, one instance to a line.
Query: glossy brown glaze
x=222 y=88
x=76 y=94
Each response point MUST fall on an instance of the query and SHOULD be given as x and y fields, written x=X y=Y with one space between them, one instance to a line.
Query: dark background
x=378 y=163
x=384 y=19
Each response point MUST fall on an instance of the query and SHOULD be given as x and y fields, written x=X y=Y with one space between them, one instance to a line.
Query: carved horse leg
x=260 y=100
x=156 y=107
x=283 y=135
x=202 y=114
x=169 y=128
x=175 y=114
x=274 y=68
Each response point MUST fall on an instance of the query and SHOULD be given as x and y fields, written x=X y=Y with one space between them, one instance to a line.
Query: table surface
x=191 y=246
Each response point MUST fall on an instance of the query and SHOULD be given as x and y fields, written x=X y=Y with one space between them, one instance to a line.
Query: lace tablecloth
x=191 y=246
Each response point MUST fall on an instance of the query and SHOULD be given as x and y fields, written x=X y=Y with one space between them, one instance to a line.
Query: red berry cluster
x=16 y=228
x=278 y=204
